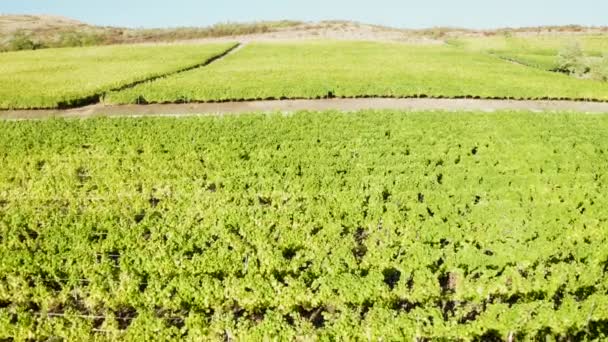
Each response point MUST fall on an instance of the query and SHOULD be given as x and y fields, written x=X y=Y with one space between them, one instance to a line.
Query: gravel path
x=188 y=109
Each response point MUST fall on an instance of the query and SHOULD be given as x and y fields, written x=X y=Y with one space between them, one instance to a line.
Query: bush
x=599 y=71
x=506 y=33
x=71 y=39
x=570 y=60
x=22 y=41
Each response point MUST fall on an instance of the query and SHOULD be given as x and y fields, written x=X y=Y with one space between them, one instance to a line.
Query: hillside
x=40 y=24
x=20 y=32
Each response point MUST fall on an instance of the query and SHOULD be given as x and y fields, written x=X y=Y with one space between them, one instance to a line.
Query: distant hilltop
x=20 y=32
x=34 y=23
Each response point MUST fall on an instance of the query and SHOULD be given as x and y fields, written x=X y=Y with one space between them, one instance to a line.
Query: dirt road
x=189 y=109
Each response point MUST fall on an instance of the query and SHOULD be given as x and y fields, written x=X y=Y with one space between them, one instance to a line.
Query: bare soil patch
x=287 y=106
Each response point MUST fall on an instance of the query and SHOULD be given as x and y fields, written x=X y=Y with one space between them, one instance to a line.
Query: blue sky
x=399 y=13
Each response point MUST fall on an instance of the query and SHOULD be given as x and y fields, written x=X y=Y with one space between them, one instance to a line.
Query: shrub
x=599 y=71
x=72 y=38
x=22 y=41
x=506 y=33
x=570 y=60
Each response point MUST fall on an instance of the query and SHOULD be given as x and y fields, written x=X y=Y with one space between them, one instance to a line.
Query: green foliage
x=532 y=60
x=22 y=41
x=570 y=59
x=352 y=69
x=61 y=77
x=75 y=38
x=293 y=70
x=312 y=226
x=599 y=70
x=547 y=45
x=565 y=53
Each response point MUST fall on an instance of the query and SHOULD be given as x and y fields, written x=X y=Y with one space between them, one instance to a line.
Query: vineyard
x=546 y=44
x=76 y=76
x=330 y=226
x=140 y=74
x=538 y=51
x=347 y=69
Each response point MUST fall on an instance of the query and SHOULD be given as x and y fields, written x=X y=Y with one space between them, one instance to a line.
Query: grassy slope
x=346 y=69
x=46 y=78
x=351 y=226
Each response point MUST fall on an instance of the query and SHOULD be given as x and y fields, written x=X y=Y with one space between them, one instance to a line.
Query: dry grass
x=39 y=31
x=19 y=32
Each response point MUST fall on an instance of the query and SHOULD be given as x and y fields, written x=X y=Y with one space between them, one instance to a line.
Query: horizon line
x=447 y=27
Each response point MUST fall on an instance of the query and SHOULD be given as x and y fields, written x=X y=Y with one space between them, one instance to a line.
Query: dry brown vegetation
x=19 y=32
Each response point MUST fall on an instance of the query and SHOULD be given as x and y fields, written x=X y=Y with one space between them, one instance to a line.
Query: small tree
x=68 y=39
x=570 y=60
x=21 y=41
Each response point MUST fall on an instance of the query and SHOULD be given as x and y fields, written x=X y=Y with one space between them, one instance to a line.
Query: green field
x=347 y=69
x=538 y=51
x=545 y=62
x=70 y=77
x=546 y=44
x=53 y=78
x=361 y=226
